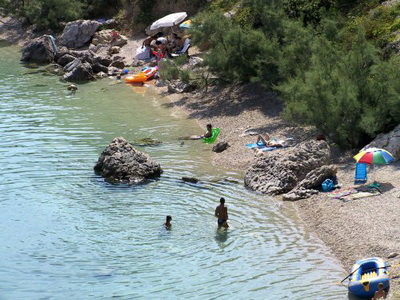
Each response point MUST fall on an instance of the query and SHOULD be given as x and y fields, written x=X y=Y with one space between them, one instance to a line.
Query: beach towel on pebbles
x=353 y=193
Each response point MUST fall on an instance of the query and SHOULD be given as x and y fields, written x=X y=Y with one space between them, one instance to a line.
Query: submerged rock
x=190 y=179
x=120 y=162
x=148 y=142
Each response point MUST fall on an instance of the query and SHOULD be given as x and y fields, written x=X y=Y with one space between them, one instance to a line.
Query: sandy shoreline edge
x=353 y=230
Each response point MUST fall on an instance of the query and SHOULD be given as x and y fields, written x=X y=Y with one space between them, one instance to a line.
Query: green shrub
x=168 y=70
x=380 y=24
x=49 y=13
x=348 y=92
x=309 y=11
x=185 y=76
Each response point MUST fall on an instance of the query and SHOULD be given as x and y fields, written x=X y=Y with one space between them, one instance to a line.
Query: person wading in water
x=221 y=212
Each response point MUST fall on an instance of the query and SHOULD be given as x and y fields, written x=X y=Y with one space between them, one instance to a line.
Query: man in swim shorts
x=221 y=212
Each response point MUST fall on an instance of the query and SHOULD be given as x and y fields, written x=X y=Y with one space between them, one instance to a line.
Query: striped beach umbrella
x=374 y=156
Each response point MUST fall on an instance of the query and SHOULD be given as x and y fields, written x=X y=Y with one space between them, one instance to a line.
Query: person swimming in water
x=221 y=212
x=167 y=223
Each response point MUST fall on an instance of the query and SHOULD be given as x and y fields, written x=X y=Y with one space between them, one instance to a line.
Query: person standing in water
x=167 y=223
x=221 y=212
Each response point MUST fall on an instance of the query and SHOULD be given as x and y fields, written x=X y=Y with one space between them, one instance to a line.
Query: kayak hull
x=142 y=76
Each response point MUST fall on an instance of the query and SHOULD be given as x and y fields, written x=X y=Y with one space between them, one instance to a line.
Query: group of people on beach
x=221 y=212
x=160 y=46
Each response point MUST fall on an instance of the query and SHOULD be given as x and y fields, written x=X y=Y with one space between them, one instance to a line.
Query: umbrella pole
x=373 y=170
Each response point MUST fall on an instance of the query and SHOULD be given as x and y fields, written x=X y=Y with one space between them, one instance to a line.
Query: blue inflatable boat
x=365 y=276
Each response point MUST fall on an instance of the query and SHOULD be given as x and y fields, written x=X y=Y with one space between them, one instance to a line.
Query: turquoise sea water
x=67 y=234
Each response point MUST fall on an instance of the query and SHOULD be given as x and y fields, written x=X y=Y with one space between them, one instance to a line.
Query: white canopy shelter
x=169 y=20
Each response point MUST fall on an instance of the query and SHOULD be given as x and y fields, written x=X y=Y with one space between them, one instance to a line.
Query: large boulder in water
x=40 y=50
x=77 y=33
x=388 y=141
x=280 y=171
x=120 y=162
x=79 y=72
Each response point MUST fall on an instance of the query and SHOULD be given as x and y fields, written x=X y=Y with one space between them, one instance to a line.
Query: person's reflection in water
x=221 y=236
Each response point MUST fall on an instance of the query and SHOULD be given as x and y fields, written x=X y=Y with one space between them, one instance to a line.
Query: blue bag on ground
x=327 y=185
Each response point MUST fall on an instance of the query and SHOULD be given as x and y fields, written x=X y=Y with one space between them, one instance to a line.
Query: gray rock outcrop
x=178 y=86
x=388 y=141
x=120 y=162
x=78 y=65
x=40 y=50
x=65 y=59
x=311 y=183
x=80 y=72
x=77 y=33
x=281 y=170
x=106 y=37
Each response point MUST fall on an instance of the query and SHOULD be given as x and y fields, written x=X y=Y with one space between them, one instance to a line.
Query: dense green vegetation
x=331 y=61
x=331 y=68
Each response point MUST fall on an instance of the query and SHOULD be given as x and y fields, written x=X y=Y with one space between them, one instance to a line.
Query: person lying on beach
x=207 y=134
x=221 y=212
x=263 y=140
x=266 y=141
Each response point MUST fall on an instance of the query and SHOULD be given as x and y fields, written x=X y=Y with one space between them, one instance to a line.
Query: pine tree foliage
x=347 y=92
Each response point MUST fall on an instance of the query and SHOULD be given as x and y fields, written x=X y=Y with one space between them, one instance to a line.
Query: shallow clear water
x=67 y=234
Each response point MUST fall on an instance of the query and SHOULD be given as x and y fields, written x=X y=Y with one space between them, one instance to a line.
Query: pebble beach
x=354 y=229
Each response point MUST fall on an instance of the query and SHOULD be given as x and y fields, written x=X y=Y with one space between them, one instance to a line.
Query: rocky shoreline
x=354 y=229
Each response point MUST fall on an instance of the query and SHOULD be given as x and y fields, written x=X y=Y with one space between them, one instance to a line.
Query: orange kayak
x=142 y=76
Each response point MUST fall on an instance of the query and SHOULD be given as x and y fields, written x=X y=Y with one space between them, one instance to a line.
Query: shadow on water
x=4 y=44
x=221 y=236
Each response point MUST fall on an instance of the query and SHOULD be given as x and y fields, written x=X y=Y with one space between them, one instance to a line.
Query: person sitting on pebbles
x=380 y=293
x=207 y=134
